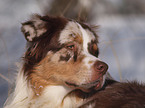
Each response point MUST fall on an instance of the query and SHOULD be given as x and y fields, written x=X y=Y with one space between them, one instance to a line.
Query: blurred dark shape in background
x=83 y=8
x=122 y=33
x=74 y=9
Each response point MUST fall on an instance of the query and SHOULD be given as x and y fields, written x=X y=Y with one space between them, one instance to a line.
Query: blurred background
x=122 y=34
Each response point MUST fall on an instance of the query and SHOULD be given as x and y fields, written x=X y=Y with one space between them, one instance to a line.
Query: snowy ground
x=126 y=32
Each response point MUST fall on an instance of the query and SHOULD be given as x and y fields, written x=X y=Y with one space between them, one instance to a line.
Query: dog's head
x=62 y=52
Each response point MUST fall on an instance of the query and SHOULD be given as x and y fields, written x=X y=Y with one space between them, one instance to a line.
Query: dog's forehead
x=74 y=31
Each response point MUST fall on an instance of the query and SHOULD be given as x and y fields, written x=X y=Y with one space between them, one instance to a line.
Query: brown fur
x=48 y=72
x=93 y=48
x=119 y=95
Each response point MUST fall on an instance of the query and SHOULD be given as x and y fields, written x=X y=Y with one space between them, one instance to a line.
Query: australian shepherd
x=61 y=69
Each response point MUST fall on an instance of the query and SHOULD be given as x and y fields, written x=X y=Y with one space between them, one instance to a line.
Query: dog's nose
x=100 y=67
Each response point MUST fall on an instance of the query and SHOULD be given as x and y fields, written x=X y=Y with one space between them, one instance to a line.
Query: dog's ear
x=34 y=28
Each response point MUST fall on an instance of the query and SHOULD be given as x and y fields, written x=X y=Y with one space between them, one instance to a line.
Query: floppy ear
x=34 y=28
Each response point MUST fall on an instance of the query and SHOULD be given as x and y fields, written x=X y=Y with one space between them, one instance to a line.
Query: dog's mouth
x=95 y=85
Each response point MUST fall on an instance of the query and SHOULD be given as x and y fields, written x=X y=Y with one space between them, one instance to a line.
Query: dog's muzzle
x=96 y=82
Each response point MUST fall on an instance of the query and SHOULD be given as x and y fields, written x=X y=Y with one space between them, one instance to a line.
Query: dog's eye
x=71 y=47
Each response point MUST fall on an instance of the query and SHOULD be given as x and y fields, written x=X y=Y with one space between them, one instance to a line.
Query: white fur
x=40 y=29
x=87 y=38
x=70 y=29
x=51 y=97
x=37 y=31
x=31 y=31
x=22 y=93
x=54 y=97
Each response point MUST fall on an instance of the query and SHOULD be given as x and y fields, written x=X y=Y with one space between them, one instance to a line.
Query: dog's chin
x=87 y=87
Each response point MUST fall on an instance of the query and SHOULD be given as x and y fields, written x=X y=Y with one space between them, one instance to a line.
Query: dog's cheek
x=65 y=58
x=60 y=58
x=55 y=58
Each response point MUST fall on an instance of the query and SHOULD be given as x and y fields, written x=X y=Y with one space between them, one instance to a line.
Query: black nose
x=100 y=67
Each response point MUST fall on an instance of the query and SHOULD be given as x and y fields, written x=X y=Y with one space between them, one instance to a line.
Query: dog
x=60 y=61
x=61 y=69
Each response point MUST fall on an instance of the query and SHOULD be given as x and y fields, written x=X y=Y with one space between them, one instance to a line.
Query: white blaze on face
x=87 y=38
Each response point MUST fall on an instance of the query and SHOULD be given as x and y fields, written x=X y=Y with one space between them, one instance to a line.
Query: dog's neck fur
x=52 y=96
